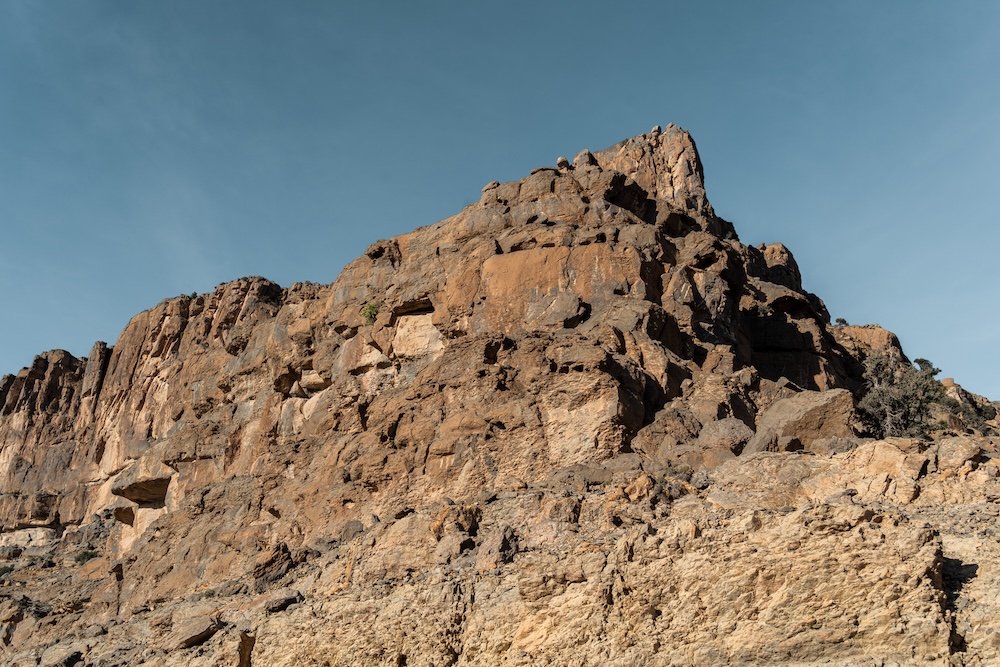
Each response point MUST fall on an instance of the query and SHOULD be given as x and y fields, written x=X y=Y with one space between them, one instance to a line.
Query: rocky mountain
x=578 y=423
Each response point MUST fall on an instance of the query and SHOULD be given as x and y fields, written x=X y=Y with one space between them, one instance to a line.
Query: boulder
x=794 y=423
x=192 y=632
x=281 y=600
x=730 y=433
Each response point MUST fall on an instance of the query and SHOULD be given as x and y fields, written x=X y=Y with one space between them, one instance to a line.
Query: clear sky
x=149 y=149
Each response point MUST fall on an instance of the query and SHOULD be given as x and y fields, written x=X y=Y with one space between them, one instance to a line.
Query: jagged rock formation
x=578 y=423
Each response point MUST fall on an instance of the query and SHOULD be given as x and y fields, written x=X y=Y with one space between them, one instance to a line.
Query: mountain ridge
x=528 y=421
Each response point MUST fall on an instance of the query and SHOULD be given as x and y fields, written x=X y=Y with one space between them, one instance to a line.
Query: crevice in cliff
x=954 y=576
x=247 y=642
x=6 y=383
x=118 y=570
x=421 y=306
x=94 y=375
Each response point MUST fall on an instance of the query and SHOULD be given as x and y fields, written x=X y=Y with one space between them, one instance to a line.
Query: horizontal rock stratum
x=578 y=423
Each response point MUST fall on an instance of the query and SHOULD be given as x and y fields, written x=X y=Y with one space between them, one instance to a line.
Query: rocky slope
x=579 y=423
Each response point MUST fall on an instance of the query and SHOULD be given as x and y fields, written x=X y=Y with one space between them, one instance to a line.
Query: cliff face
x=552 y=429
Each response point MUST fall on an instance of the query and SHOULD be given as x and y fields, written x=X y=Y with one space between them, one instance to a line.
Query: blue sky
x=149 y=149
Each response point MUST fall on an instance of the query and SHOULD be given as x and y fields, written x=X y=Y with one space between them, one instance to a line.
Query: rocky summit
x=578 y=423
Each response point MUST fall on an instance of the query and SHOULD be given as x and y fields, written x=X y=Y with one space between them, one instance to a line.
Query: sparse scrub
x=899 y=397
x=370 y=311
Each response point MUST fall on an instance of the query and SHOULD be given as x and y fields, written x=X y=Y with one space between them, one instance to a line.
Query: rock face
x=577 y=423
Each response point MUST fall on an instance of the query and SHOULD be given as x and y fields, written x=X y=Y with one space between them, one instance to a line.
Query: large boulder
x=795 y=423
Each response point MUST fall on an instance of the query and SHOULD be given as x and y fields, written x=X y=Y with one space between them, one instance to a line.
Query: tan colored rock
x=731 y=434
x=313 y=381
x=416 y=336
x=192 y=632
x=144 y=482
x=794 y=423
x=528 y=456
x=955 y=453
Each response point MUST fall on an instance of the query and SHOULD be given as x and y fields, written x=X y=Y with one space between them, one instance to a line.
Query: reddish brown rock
x=507 y=438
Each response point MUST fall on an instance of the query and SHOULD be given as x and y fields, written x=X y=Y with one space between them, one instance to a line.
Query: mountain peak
x=460 y=450
x=665 y=163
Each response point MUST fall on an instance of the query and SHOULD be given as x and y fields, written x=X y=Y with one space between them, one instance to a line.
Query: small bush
x=6 y=569
x=370 y=311
x=84 y=556
x=899 y=397
x=840 y=322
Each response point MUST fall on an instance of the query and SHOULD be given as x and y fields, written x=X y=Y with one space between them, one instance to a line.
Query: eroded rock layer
x=579 y=423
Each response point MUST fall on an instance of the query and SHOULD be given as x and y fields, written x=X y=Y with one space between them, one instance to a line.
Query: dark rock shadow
x=954 y=576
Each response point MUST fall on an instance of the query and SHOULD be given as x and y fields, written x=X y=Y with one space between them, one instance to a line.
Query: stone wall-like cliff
x=577 y=423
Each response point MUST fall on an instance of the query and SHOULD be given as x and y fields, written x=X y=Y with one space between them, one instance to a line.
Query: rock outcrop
x=577 y=423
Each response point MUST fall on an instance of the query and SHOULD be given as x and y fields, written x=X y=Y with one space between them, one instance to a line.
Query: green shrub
x=370 y=311
x=899 y=397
